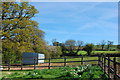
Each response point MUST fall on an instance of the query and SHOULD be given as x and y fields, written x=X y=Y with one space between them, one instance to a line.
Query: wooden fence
x=107 y=62
x=110 y=66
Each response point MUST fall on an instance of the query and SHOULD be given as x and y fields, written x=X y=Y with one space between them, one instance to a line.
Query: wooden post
x=114 y=68
x=49 y=64
x=99 y=60
x=9 y=64
x=102 y=61
x=21 y=64
x=104 y=64
x=82 y=60
x=109 y=67
x=64 y=61
x=34 y=63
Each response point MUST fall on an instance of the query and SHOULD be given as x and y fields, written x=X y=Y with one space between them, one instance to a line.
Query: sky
x=90 y=22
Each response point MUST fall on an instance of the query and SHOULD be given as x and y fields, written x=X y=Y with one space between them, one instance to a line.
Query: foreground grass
x=80 y=72
x=14 y=71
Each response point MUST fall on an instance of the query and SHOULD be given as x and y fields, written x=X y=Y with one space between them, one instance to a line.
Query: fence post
x=82 y=60
x=49 y=64
x=21 y=64
x=9 y=64
x=104 y=64
x=34 y=63
x=64 y=61
x=102 y=61
x=108 y=66
x=99 y=60
x=114 y=68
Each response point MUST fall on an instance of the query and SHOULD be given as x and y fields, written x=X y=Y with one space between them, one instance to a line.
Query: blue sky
x=90 y=22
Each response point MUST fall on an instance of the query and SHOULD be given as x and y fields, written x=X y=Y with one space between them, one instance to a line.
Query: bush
x=54 y=51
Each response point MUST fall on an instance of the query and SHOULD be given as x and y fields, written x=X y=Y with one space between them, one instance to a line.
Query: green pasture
x=98 y=52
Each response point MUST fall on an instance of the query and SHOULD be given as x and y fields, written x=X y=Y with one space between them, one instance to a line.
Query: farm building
x=32 y=58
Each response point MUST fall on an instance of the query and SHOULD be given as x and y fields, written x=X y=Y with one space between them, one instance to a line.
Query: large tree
x=19 y=32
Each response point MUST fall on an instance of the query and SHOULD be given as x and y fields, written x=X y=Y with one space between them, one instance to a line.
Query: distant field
x=105 y=51
x=98 y=52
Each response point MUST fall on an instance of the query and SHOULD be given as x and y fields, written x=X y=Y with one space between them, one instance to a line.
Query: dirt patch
x=32 y=67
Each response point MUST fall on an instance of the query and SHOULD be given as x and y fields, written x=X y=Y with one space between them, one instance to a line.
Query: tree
x=20 y=30
x=89 y=48
x=70 y=43
x=71 y=47
x=56 y=44
x=109 y=44
x=103 y=42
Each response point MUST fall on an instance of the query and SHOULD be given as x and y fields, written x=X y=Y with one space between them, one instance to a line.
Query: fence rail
x=107 y=62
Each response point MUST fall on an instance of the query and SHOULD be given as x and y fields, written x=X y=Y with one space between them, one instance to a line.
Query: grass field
x=59 y=73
